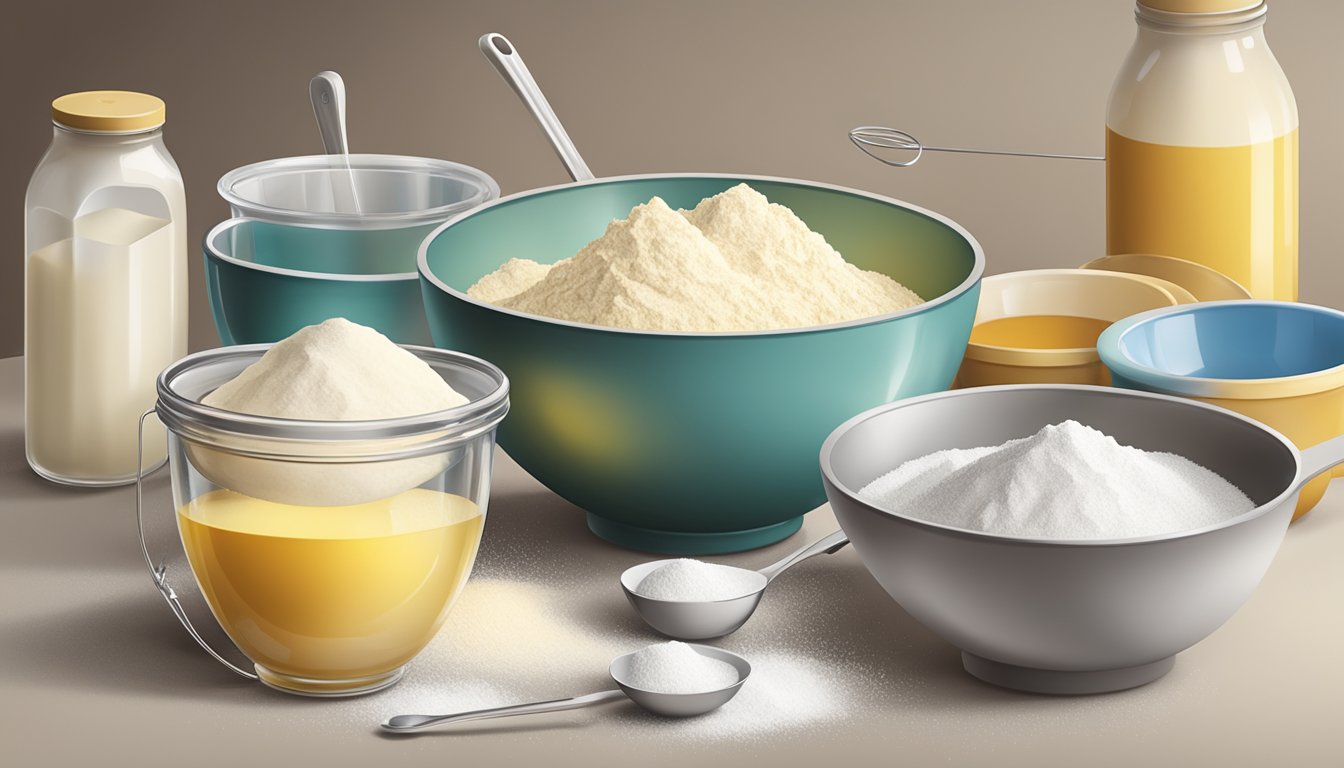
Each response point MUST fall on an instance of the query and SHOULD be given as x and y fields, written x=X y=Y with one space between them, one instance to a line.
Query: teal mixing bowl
x=264 y=283
x=687 y=443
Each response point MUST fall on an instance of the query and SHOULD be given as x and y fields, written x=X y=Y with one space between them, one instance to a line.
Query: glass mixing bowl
x=328 y=552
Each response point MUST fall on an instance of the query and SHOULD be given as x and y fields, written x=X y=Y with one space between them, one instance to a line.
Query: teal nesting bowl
x=264 y=283
x=698 y=443
x=327 y=236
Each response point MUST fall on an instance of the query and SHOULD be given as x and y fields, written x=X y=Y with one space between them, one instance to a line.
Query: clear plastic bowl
x=358 y=191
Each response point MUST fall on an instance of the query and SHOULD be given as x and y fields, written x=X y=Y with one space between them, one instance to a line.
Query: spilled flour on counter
x=1067 y=481
x=511 y=642
x=737 y=262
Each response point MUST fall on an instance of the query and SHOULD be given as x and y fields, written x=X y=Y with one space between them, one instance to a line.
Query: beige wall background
x=693 y=85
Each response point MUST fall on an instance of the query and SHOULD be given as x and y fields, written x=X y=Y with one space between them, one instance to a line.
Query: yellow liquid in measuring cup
x=331 y=593
x=1230 y=208
x=1039 y=332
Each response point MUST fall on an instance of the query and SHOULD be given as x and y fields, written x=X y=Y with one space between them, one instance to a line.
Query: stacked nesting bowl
x=330 y=235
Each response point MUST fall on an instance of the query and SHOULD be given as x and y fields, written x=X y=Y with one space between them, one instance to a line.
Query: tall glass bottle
x=105 y=274
x=1201 y=145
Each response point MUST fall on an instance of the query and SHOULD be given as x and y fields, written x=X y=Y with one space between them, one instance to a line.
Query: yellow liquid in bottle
x=1039 y=332
x=1230 y=208
x=331 y=593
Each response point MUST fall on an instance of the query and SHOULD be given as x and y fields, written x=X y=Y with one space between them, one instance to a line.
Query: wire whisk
x=872 y=139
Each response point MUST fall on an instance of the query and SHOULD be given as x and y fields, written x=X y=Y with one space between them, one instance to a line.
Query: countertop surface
x=95 y=670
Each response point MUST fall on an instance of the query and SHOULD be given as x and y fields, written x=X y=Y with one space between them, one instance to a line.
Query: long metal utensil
x=876 y=139
x=504 y=56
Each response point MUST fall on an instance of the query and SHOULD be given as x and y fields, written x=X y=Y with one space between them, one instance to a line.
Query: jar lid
x=108 y=111
x=1200 y=6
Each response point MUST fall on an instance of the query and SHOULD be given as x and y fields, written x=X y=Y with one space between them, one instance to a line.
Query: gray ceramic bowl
x=1068 y=616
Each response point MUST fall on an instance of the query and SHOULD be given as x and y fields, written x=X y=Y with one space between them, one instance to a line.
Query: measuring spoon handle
x=833 y=543
x=408 y=723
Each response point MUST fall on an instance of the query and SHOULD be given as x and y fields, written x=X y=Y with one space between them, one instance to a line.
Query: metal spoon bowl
x=682 y=704
x=663 y=704
x=703 y=620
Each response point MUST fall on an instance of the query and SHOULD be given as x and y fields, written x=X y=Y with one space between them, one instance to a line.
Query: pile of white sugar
x=686 y=580
x=336 y=371
x=737 y=262
x=1067 y=481
x=675 y=667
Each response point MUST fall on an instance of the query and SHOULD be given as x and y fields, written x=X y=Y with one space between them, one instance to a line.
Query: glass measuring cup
x=329 y=553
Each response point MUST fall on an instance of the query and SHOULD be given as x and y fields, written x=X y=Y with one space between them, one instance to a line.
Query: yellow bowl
x=1281 y=363
x=1205 y=283
x=1092 y=294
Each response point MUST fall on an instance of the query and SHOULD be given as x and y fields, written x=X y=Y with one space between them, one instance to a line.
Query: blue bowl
x=698 y=443
x=265 y=280
x=1206 y=349
x=1279 y=362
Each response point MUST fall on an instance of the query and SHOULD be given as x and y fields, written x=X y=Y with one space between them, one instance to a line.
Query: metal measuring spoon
x=702 y=620
x=665 y=704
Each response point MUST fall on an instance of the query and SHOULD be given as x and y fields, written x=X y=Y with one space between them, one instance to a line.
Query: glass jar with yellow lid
x=105 y=240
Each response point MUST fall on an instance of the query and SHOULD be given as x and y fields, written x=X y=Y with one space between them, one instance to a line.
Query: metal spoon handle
x=833 y=543
x=510 y=66
x=327 y=91
x=408 y=723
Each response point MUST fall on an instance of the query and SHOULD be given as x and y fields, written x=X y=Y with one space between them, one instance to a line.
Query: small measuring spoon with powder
x=693 y=600
x=668 y=679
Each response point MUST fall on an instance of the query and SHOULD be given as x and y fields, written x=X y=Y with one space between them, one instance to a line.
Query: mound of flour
x=1067 y=481
x=737 y=262
x=336 y=371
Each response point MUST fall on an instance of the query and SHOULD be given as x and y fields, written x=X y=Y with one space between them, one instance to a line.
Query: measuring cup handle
x=1321 y=457
x=160 y=571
